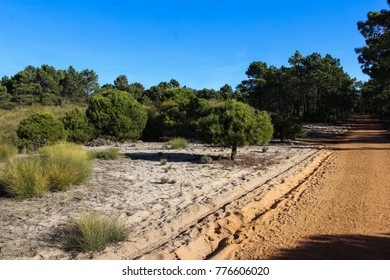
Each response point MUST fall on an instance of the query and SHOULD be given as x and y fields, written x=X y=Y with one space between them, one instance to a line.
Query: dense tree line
x=313 y=88
x=48 y=86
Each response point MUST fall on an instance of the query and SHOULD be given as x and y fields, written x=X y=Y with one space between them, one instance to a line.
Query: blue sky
x=202 y=44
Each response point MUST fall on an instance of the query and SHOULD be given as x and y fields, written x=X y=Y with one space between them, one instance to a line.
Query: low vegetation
x=66 y=164
x=109 y=154
x=177 y=143
x=40 y=129
x=54 y=168
x=205 y=160
x=286 y=128
x=7 y=151
x=93 y=232
x=77 y=126
x=10 y=119
x=24 y=177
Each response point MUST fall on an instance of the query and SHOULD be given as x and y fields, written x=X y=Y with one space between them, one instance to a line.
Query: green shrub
x=205 y=160
x=93 y=232
x=116 y=115
x=24 y=177
x=178 y=143
x=286 y=128
x=7 y=151
x=110 y=153
x=235 y=124
x=48 y=99
x=78 y=128
x=40 y=129
x=66 y=164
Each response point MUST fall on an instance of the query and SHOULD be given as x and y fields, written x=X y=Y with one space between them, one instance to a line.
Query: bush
x=110 y=153
x=65 y=164
x=234 y=124
x=40 y=129
x=78 y=128
x=24 y=177
x=116 y=115
x=48 y=99
x=205 y=160
x=93 y=232
x=286 y=128
x=7 y=151
x=178 y=143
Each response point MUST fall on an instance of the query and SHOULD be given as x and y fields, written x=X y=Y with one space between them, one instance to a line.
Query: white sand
x=157 y=213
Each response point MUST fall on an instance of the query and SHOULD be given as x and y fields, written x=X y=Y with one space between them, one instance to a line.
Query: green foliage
x=313 y=88
x=66 y=164
x=77 y=126
x=110 y=153
x=177 y=143
x=121 y=83
x=375 y=60
x=72 y=86
x=235 y=124
x=5 y=99
x=153 y=129
x=25 y=99
x=48 y=99
x=173 y=112
x=374 y=57
x=205 y=160
x=93 y=232
x=286 y=128
x=48 y=86
x=116 y=115
x=24 y=177
x=10 y=119
x=170 y=111
x=40 y=129
x=7 y=152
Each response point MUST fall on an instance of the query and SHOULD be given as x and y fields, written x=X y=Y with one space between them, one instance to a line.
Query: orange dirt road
x=344 y=209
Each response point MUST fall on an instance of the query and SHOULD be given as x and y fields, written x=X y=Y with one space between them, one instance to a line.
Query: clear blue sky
x=202 y=44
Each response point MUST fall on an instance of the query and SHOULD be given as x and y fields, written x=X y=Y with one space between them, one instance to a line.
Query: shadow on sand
x=171 y=157
x=339 y=247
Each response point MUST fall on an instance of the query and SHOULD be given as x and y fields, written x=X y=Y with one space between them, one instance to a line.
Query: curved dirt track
x=342 y=211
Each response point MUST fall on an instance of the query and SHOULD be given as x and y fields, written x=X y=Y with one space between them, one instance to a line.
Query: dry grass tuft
x=7 y=152
x=93 y=232
x=110 y=153
x=24 y=177
x=66 y=164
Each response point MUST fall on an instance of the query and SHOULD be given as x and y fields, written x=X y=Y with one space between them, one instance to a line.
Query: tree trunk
x=234 y=153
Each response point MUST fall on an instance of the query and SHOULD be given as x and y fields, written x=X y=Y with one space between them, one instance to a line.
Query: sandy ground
x=203 y=213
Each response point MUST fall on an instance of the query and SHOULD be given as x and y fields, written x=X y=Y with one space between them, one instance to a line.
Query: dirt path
x=341 y=212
